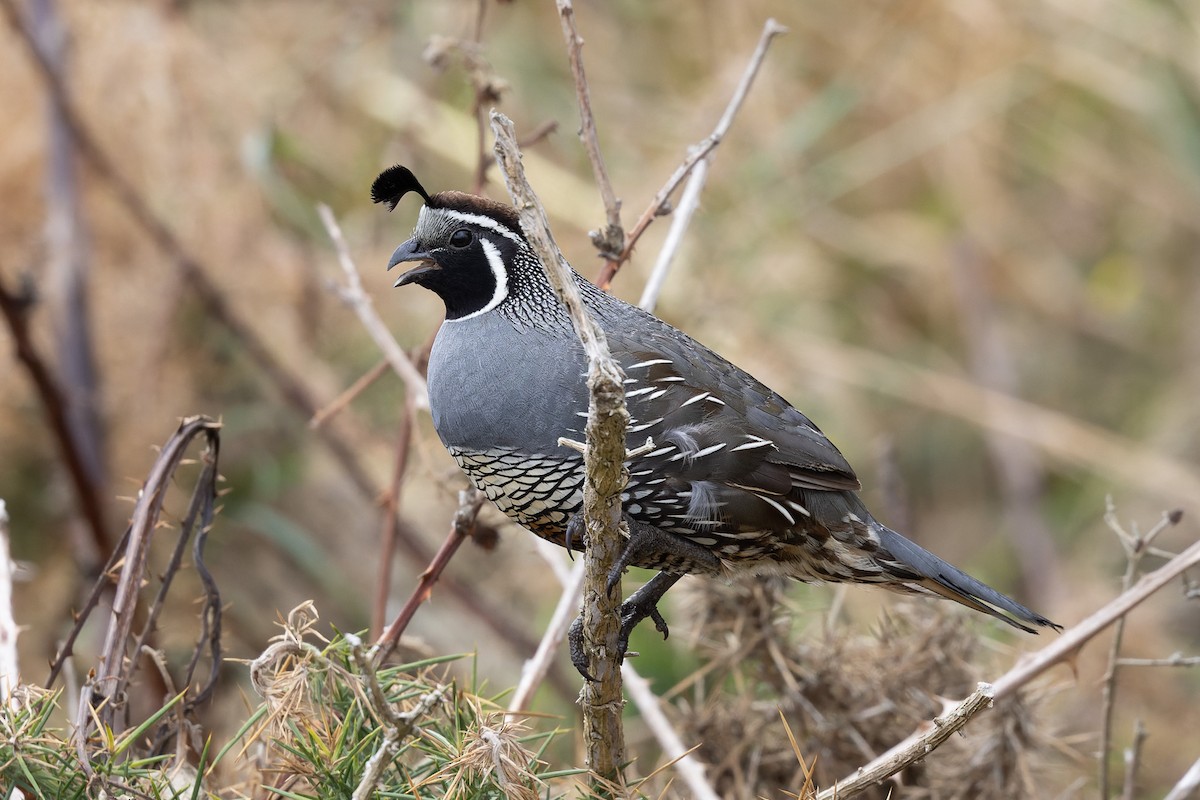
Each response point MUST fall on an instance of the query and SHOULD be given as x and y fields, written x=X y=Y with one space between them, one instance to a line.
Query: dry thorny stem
x=104 y=695
x=604 y=465
x=687 y=765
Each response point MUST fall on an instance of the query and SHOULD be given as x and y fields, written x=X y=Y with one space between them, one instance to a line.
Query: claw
x=578 y=653
x=575 y=527
x=642 y=604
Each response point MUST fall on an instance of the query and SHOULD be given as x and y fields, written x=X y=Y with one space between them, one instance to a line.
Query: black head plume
x=395 y=182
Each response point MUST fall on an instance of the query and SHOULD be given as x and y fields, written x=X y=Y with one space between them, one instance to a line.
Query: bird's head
x=465 y=247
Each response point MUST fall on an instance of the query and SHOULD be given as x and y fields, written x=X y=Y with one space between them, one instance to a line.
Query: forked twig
x=103 y=694
x=610 y=240
x=698 y=153
x=689 y=201
x=1136 y=548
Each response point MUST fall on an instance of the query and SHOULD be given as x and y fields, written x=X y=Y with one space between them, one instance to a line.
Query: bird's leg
x=654 y=548
x=648 y=547
x=641 y=604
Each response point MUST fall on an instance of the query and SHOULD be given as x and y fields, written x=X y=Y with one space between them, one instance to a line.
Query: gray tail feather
x=937 y=576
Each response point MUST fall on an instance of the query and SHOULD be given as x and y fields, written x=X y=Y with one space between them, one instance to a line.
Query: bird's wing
x=736 y=449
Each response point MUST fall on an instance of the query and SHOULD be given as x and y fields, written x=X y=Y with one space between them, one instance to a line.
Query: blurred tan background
x=923 y=210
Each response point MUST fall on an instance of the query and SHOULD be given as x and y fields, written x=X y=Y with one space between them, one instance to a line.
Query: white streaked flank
x=786 y=514
x=751 y=445
x=649 y=363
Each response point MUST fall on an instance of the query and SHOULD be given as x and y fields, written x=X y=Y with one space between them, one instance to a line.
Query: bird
x=738 y=481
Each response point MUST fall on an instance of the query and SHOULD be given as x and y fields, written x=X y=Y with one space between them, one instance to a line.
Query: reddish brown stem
x=391 y=510
x=461 y=528
x=15 y=308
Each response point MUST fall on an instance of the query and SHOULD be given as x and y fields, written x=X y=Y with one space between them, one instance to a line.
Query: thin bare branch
x=1136 y=548
x=66 y=267
x=1133 y=758
x=610 y=240
x=352 y=294
x=660 y=204
x=461 y=527
x=605 y=475
x=391 y=510
x=689 y=768
x=534 y=670
x=916 y=747
x=347 y=397
x=1187 y=785
x=104 y=692
x=15 y=308
x=1033 y=665
x=1079 y=634
x=1173 y=660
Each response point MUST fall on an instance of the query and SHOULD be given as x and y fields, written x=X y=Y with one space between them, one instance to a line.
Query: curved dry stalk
x=698 y=154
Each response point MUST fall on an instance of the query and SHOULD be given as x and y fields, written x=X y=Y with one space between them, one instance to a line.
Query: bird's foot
x=641 y=605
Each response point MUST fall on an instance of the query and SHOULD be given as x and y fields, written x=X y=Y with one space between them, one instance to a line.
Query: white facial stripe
x=498 y=274
x=481 y=221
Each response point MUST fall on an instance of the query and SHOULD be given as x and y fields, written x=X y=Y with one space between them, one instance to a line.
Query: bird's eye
x=461 y=238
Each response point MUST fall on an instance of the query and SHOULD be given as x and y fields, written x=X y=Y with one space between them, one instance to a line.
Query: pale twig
x=683 y=760
x=690 y=200
x=605 y=473
x=1173 y=660
x=353 y=295
x=660 y=204
x=9 y=675
x=1136 y=547
x=689 y=768
x=914 y=748
x=1187 y=785
x=535 y=669
x=610 y=240
x=1079 y=634
x=1133 y=757
x=1033 y=665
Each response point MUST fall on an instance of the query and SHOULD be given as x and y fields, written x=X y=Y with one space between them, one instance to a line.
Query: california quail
x=739 y=481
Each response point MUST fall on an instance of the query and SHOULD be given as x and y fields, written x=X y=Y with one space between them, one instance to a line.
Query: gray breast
x=493 y=386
